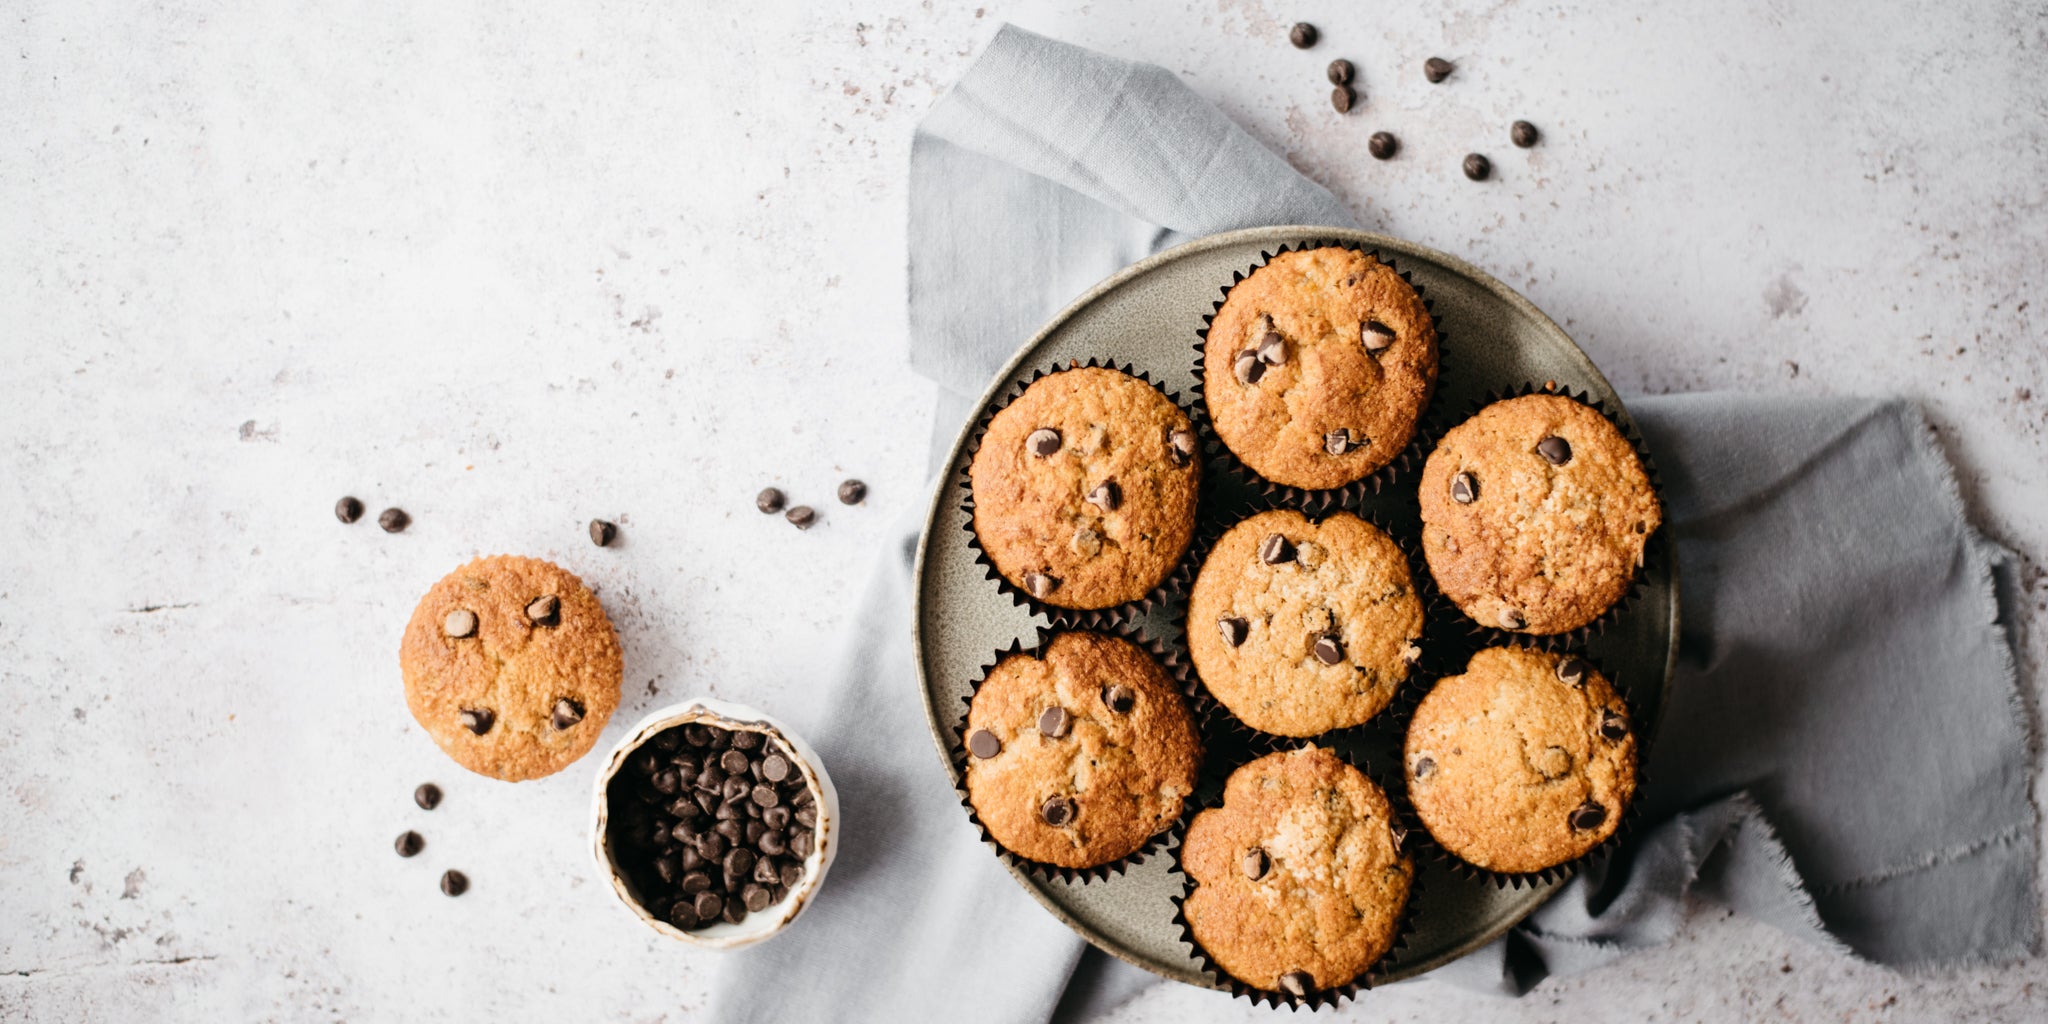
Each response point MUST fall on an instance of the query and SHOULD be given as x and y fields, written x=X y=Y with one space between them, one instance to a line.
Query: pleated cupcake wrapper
x=1315 y=999
x=1407 y=461
x=1490 y=636
x=957 y=750
x=1439 y=646
x=1078 y=618
x=1423 y=841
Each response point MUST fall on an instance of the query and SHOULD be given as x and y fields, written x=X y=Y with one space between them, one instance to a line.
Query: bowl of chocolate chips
x=714 y=823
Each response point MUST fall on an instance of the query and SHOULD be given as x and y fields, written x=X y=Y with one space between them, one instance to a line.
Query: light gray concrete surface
x=511 y=266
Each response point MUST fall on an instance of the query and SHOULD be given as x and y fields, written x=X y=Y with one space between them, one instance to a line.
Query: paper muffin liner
x=1407 y=461
x=1422 y=840
x=1315 y=999
x=956 y=749
x=1077 y=618
x=1441 y=648
x=1484 y=635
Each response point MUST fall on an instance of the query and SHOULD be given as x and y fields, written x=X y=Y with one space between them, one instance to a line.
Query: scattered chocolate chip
x=1302 y=35
x=1297 y=983
x=1276 y=549
x=602 y=533
x=348 y=510
x=1588 y=816
x=1107 y=496
x=1383 y=145
x=851 y=492
x=1572 y=669
x=1513 y=619
x=1040 y=585
x=1375 y=336
x=1339 y=441
x=1341 y=72
x=1180 y=446
x=801 y=517
x=770 y=501
x=1043 y=442
x=1255 y=864
x=1057 y=811
x=394 y=520
x=1523 y=134
x=1464 y=488
x=409 y=843
x=1234 y=630
x=1436 y=69
x=567 y=713
x=428 y=796
x=1328 y=650
x=1411 y=653
x=454 y=882
x=545 y=611
x=1119 y=698
x=478 y=720
x=1613 y=726
x=1341 y=99
x=1424 y=767
x=460 y=623
x=1555 y=450
x=1248 y=367
x=983 y=744
x=1055 y=723
x=1477 y=166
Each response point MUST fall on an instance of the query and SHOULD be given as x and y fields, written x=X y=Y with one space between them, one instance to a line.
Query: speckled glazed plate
x=1147 y=315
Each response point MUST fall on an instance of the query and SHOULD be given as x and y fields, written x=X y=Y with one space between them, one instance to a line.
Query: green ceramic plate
x=1147 y=315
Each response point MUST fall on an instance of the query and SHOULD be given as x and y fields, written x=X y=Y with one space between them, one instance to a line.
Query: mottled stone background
x=514 y=265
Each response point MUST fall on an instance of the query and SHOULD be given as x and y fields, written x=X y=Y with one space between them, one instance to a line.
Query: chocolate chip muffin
x=1300 y=627
x=511 y=666
x=1318 y=366
x=1079 y=755
x=1299 y=881
x=1523 y=762
x=1535 y=514
x=1084 y=488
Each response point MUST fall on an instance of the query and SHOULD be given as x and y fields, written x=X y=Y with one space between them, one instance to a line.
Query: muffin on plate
x=1301 y=627
x=1318 y=367
x=1524 y=762
x=1535 y=514
x=1078 y=754
x=1298 y=881
x=1084 y=488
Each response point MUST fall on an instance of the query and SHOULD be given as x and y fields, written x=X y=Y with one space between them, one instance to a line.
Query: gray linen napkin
x=1842 y=756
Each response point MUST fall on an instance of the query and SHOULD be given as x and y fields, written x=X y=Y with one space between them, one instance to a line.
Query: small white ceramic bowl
x=757 y=927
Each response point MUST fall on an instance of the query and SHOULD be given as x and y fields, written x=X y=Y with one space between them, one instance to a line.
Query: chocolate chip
x=1248 y=368
x=730 y=829
x=1234 y=630
x=545 y=611
x=666 y=782
x=454 y=882
x=1523 y=134
x=460 y=623
x=394 y=520
x=983 y=744
x=668 y=866
x=1043 y=442
x=1383 y=145
x=1555 y=450
x=739 y=862
x=695 y=881
x=685 y=808
x=1424 y=767
x=708 y=905
x=1477 y=167
x=801 y=516
x=348 y=510
x=710 y=780
x=1339 y=441
x=735 y=912
x=775 y=842
x=1302 y=35
x=1041 y=585
x=776 y=818
x=792 y=874
x=765 y=795
x=746 y=739
x=1400 y=836
x=1119 y=698
x=1276 y=549
x=1341 y=99
x=807 y=814
x=1436 y=69
x=428 y=796
x=1588 y=816
x=1464 y=488
x=800 y=843
x=775 y=768
x=1375 y=336
x=852 y=492
x=734 y=762
x=757 y=898
x=478 y=720
x=1107 y=496
x=1180 y=446
x=1255 y=864
x=602 y=533
x=766 y=871
x=1328 y=650
x=1341 y=72
x=735 y=789
x=1613 y=726
x=1272 y=349
x=1513 y=619
x=684 y=916
x=1297 y=983
x=696 y=735
x=1411 y=653
x=409 y=843
x=1055 y=723
x=1572 y=669
x=567 y=713
x=1057 y=811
